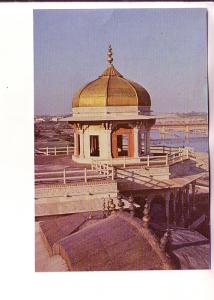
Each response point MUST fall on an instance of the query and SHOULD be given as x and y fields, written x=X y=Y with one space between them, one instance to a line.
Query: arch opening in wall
x=122 y=142
x=94 y=145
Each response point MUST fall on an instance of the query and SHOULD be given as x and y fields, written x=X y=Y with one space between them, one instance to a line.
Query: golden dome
x=111 y=89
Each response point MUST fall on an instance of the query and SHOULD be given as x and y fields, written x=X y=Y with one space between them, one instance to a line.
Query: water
x=198 y=142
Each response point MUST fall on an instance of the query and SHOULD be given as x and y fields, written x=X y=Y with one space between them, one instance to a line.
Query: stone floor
x=54 y=163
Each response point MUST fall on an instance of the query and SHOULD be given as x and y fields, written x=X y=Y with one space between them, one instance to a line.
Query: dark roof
x=53 y=230
x=118 y=242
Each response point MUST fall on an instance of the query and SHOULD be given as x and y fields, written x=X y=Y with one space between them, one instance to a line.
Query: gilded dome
x=111 y=89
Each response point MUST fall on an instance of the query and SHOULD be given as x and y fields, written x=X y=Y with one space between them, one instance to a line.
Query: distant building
x=55 y=119
x=38 y=120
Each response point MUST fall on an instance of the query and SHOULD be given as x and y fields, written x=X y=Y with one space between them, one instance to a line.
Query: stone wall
x=64 y=199
x=159 y=173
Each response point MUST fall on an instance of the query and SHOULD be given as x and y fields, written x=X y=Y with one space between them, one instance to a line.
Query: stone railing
x=55 y=150
x=75 y=175
x=171 y=155
x=160 y=156
x=103 y=167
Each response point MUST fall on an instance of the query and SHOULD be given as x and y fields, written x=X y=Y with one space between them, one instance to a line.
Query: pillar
x=75 y=144
x=105 y=144
x=175 y=194
x=86 y=143
x=182 y=206
x=108 y=136
x=136 y=145
x=188 y=202
x=81 y=150
x=193 y=196
x=146 y=142
x=167 y=199
x=140 y=142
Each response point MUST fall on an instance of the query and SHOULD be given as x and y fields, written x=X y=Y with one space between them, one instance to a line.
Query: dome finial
x=110 y=58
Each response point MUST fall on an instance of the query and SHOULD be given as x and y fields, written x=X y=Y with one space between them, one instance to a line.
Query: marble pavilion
x=110 y=116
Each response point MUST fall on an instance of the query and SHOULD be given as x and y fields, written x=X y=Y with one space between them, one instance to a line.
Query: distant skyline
x=165 y=50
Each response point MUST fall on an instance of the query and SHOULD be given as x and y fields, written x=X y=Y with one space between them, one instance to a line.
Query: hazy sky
x=165 y=50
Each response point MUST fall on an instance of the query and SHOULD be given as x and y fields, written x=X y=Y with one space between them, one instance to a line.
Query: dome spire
x=110 y=58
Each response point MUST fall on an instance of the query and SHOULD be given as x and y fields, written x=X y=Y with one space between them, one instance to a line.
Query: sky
x=164 y=50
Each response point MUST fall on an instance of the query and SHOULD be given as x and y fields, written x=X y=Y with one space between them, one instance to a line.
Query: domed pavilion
x=111 y=119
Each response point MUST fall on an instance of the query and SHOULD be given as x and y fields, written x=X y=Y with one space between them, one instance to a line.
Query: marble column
x=108 y=136
x=140 y=142
x=136 y=146
x=81 y=150
x=193 y=197
x=146 y=142
x=167 y=200
x=182 y=206
x=175 y=194
x=75 y=144
x=188 y=202
x=105 y=144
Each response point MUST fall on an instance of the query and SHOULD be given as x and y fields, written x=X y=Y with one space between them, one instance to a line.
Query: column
x=105 y=144
x=193 y=196
x=146 y=142
x=188 y=202
x=140 y=142
x=86 y=144
x=81 y=150
x=182 y=206
x=167 y=199
x=174 y=207
x=108 y=136
x=136 y=146
x=75 y=144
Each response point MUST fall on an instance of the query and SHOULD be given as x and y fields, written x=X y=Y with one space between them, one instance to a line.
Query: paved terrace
x=63 y=170
x=67 y=187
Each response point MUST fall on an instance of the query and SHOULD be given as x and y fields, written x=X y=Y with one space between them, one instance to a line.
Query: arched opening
x=122 y=142
x=94 y=145
x=78 y=145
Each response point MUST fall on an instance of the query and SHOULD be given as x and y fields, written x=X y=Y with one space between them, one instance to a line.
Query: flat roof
x=107 y=117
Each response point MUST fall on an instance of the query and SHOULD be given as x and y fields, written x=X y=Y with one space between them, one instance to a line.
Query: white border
x=17 y=210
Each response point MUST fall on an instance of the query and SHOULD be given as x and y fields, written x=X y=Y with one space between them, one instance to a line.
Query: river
x=198 y=142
